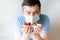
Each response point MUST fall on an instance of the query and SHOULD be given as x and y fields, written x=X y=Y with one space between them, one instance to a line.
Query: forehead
x=31 y=8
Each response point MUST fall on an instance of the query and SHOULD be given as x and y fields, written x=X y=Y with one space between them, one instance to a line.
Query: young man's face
x=31 y=10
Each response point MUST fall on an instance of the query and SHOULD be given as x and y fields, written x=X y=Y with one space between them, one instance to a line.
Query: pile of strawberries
x=30 y=23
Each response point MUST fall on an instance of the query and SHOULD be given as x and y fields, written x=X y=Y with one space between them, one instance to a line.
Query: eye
x=28 y=13
x=36 y=12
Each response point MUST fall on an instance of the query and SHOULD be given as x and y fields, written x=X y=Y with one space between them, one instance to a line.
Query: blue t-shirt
x=44 y=20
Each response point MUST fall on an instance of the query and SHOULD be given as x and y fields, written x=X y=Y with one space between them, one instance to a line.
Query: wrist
x=36 y=36
x=25 y=36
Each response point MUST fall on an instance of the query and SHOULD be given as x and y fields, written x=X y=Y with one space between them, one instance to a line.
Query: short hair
x=31 y=3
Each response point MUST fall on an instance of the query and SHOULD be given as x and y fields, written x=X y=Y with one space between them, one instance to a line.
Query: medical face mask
x=31 y=18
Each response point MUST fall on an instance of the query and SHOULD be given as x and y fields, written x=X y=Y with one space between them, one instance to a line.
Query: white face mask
x=31 y=18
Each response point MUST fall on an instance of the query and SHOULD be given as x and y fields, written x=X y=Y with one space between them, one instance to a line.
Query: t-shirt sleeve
x=17 y=26
x=46 y=25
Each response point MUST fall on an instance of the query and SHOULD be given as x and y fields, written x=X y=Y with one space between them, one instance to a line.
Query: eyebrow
x=35 y=11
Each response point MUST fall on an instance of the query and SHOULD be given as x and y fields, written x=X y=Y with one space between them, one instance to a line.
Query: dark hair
x=31 y=3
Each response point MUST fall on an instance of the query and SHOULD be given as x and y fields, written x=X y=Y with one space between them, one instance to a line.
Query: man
x=31 y=11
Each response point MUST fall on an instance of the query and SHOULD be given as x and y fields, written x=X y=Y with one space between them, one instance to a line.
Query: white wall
x=10 y=8
x=52 y=9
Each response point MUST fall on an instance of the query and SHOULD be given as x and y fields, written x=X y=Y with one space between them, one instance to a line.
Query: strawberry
x=27 y=23
x=34 y=23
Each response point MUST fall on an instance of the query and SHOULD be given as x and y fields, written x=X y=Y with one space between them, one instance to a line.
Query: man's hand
x=38 y=29
x=35 y=34
x=27 y=30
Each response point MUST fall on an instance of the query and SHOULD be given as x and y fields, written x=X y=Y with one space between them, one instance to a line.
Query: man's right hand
x=27 y=30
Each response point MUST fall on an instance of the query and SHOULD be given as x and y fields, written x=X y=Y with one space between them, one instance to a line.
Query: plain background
x=9 y=9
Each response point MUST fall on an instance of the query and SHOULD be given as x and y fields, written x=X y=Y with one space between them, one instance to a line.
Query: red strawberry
x=27 y=23
x=34 y=23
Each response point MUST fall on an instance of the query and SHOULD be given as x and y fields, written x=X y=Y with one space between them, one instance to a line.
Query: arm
x=25 y=37
x=45 y=36
x=19 y=36
x=43 y=33
x=37 y=36
x=40 y=37
x=27 y=30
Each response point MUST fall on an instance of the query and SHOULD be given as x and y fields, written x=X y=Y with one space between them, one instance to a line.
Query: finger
x=40 y=27
x=23 y=28
x=26 y=29
x=29 y=30
x=37 y=30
